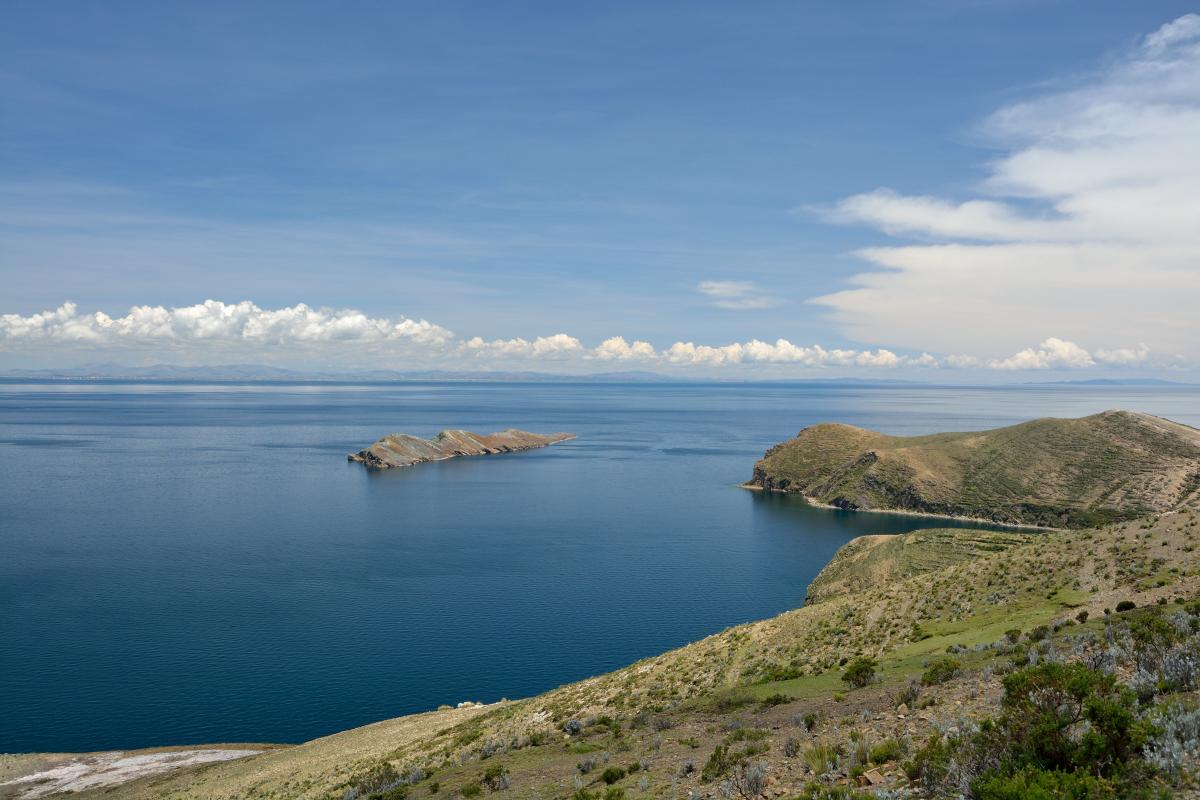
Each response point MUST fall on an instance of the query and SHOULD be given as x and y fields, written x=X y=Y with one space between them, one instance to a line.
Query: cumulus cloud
x=617 y=349
x=735 y=294
x=250 y=333
x=784 y=352
x=1085 y=226
x=1051 y=354
x=558 y=346
x=1124 y=356
x=216 y=321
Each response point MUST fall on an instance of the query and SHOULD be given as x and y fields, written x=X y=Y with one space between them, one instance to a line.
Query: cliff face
x=1053 y=472
x=403 y=450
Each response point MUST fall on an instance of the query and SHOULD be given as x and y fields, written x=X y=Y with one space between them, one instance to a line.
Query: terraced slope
x=405 y=450
x=1048 y=472
x=870 y=561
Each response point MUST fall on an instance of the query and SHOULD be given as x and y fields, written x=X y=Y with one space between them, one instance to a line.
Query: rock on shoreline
x=404 y=450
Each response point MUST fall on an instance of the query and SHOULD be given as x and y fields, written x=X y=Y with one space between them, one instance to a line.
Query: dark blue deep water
x=199 y=563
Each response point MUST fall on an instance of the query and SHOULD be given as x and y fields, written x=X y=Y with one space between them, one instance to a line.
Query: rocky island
x=405 y=450
x=1111 y=466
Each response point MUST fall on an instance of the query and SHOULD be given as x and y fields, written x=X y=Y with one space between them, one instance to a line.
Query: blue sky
x=663 y=172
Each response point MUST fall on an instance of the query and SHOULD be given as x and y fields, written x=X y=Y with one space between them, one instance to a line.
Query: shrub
x=791 y=747
x=885 y=751
x=810 y=721
x=727 y=703
x=908 y=695
x=940 y=671
x=859 y=672
x=821 y=758
x=495 y=777
x=718 y=764
x=777 y=699
x=612 y=774
x=1039 y=633
x=750 y=780
x=1066 y=730
x=1126 y=605
x=472 y=790
x=1032 y=783
x=1082 y=616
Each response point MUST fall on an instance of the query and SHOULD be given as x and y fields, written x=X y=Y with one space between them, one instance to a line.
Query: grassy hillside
x=770 y=694
x=876 y=560
x=1048 y=472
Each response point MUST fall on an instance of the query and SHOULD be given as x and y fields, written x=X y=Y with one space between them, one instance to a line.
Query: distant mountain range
x=1111 y=382
x=263 y=372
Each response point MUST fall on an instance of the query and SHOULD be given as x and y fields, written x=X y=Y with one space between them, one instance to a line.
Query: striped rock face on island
x=404 y=450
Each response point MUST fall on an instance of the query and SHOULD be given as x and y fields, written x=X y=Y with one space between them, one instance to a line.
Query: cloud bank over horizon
x=246 y=332
x=1087 y=226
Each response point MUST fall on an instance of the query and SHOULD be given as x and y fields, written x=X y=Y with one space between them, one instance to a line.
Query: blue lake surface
x=185 y=563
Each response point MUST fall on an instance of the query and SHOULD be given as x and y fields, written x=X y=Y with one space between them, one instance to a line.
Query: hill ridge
x=1047 y=472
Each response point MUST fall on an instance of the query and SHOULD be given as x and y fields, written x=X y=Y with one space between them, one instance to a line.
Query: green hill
x=1048 y=472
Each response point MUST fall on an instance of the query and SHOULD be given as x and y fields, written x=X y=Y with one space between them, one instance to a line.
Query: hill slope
x=1048 y=472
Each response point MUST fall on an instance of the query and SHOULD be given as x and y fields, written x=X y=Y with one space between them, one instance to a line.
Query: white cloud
x=617 y=349
x=1086 y=226
x=1051 y=354
x=784 y=352
x=1124 y=356
x=216 y=321
x=250 y=333
x=735 y=294
x=558 y=346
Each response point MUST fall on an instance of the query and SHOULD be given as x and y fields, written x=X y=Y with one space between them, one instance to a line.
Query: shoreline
x=753 y=487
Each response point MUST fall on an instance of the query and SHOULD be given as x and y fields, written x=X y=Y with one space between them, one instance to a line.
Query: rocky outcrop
x=403 y=450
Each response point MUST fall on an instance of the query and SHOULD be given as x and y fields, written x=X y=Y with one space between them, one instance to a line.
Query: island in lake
x=405 y=450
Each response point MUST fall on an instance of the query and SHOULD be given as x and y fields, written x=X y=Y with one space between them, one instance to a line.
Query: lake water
x=199 y=563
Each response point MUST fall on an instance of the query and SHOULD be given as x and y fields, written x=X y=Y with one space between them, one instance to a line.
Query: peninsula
x=1069 y=473
x=404 y=450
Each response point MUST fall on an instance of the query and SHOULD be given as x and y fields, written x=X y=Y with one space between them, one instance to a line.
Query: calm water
x=185 y=563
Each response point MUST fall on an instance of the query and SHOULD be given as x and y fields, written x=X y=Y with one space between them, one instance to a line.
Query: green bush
x=1065 y=730
x=885 y=751
x=1039 y=784
x=859 y=672
x=612 y=774
x=472 y=790
x=495 y=777
x=718 y=764
x=1039 y=633
x=1126 y=605
x=940 y=671
x=776 y=699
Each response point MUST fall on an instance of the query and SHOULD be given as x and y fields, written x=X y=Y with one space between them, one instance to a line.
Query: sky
x=927 y=190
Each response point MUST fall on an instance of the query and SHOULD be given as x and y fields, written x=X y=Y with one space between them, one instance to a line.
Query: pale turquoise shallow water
x=198 y=563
